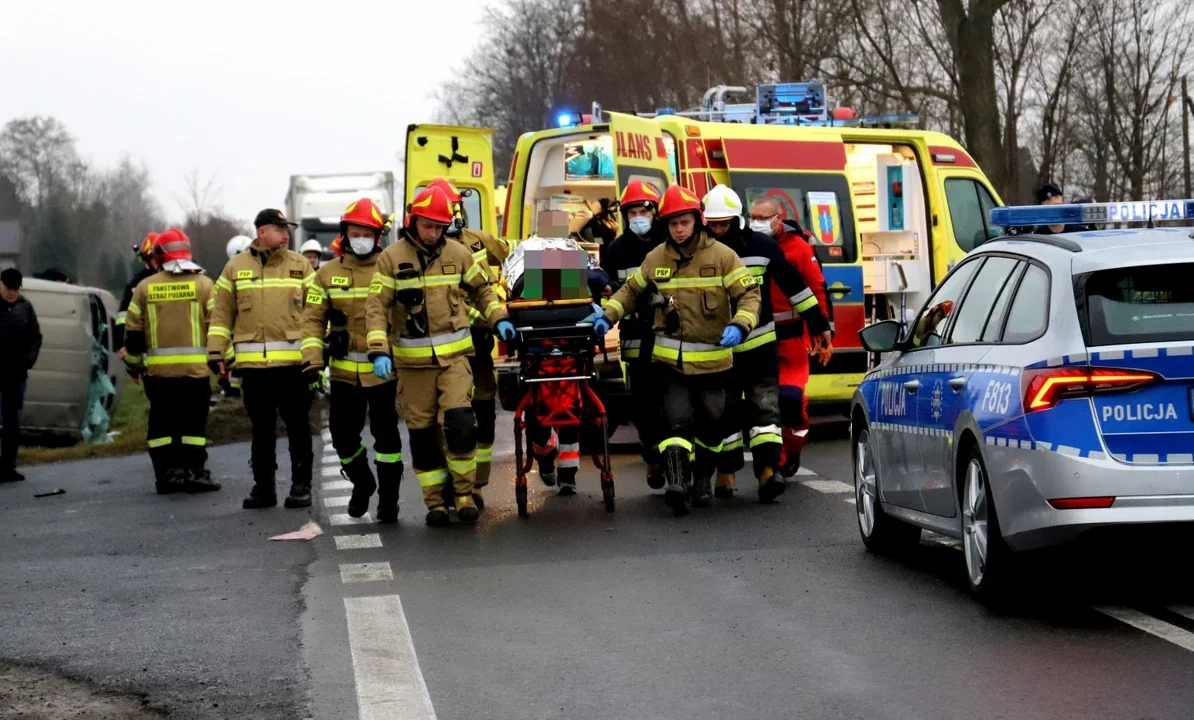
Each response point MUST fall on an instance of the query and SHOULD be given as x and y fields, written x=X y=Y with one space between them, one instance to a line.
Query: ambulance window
x=1029 y=315
x=819 y=203
x=988 y=285
x=672 y=160
x=969 y=207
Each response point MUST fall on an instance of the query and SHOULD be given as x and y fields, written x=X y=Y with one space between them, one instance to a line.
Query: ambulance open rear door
x=640 y=151
x=463 y=155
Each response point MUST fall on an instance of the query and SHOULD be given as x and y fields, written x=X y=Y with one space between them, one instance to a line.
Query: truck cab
x=316 y=202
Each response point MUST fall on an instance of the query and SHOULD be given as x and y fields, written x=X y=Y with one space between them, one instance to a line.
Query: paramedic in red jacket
x=794 y=345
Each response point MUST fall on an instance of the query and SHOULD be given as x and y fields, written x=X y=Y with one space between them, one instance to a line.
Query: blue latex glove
x=505 y=330
x=601 y=326
x=731 y=336
x=597 y=312
x=383 y=367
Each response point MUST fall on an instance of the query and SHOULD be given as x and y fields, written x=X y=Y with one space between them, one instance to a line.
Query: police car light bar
x=1148 y=211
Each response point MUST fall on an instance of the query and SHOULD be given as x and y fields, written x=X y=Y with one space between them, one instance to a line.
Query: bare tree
x=36 y=153
x=201 y=199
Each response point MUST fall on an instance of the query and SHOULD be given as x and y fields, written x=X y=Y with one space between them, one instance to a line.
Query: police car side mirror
x=882 y=337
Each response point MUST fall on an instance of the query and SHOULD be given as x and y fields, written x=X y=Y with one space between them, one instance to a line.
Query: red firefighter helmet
x=363 y=212
x=448 y=188
x=144 y=249
x=431 y=204
x=172 y=245
x=335 y=246
x=639 y=192
x=679 y=200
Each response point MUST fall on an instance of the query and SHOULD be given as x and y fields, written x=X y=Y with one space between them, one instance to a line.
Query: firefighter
x=710 y=303
x=259 y=317
x=417 y=309
x=230 y=382
x=165 y=341
x=794 y=345
x=752 y=417
x=621 y=258
x=313 y=251
x=336 y=300
x=144 y=252
x=490 y=253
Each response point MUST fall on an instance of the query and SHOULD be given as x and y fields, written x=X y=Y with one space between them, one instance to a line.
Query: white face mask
x=640 y=225
x=361 y=245
x=762 y=226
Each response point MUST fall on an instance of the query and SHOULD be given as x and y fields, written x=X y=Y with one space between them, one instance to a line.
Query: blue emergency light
x=567 y=119
x=1147 y=211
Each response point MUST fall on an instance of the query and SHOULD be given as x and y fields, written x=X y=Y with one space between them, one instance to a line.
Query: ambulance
x=891 y=207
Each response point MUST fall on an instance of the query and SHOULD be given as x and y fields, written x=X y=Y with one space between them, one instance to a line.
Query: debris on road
x=35 y=693
x=310 y=531
x=52 y=493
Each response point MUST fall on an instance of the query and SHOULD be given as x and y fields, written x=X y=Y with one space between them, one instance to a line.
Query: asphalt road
x=737 y=611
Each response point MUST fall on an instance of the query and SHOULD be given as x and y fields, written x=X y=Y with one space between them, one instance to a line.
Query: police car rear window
x=1139 y=304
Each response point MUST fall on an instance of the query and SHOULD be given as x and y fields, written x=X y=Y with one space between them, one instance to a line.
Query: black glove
x=214 y=366
x=337 y=343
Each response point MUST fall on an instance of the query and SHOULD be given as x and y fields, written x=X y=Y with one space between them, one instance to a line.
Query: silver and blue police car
x=1045 y=389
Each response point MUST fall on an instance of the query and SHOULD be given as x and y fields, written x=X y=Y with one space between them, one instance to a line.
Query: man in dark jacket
x=20 y=342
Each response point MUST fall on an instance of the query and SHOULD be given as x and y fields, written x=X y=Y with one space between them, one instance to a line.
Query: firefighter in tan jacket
x=165 y=342
x=336 y=306
x=418 y=309
x=490 y=252
x=258 y=324
x=707 y=302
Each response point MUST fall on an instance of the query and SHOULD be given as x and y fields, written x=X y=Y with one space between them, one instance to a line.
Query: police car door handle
x=912 y=386
x=957 y=383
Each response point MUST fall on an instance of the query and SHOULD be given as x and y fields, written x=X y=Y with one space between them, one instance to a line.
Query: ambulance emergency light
x=1147 y=211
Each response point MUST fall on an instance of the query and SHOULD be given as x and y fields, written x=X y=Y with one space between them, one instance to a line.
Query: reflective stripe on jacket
x=342 y=285
x=167 y=324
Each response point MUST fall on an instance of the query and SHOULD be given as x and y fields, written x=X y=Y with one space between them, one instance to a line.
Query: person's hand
x=597 y=312
x=313 y=376
x=123 y=352
x=731 y=336
x=216 y=367
x=505 y=330
x=601 y=326
x=383 y=367
x=823 y=347
x=608 y=292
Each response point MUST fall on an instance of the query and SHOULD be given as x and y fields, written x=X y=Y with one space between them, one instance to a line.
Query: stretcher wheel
x=607 y=491
x=520 y=495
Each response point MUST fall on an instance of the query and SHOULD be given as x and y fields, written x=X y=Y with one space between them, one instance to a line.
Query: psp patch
x=164 y=292
x=244 y=274
x=341 y=281
x=663 y=273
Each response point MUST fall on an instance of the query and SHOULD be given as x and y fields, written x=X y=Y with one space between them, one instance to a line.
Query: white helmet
x=311 y=246
x=238 y=245
x=722 y=203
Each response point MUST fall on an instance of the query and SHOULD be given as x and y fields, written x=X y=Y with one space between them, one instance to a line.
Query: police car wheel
x=989 y=561
x=880 y=532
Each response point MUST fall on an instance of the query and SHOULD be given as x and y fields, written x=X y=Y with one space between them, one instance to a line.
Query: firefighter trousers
x=177 y=432
x=350 y=405
x=793 y=402
x=645 y=402
x=484 y=401
x=431 y=399
x=270 y=393
x=693 y=406
x=752 y=415
x=558 y=447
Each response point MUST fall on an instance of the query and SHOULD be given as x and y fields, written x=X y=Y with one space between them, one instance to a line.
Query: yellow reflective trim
x=196 y=359
x=694 y=282
x=735 y=275
x=765 y=438
x=159 y=442
x=484 y=454
x=211 y=304
x=491 y=308
x=806 y=304
x=376 y=335
x=431 y=478
x=387 y=457
x=637 y=277
x=690 y=355
x=134 y=308
x=751 y=344
x=473 y=271
x=225 y=283
x=677 y=441
x=351 y=366
x=194 y=441
x=121 y=320
x=219 y=331
x=747 y=315
x=711 y=448
x=348 y=294
x=311 y=343
x=462 y=467
x=379 y=279
x=732 y=445
x=309 y=280
x=427 y=350
x=197 y=338
x=617 y=306
x=153 y=326
x=252 y=357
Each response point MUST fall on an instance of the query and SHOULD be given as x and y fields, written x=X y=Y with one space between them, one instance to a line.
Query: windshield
x=1139 y=304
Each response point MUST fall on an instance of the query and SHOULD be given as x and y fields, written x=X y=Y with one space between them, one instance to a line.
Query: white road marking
x=332 y=472
x=828 y=486
x=1186 y=611
x=327 y=435
x=344 y=519
x=331 y=461
x=337 y=501
x=388 y=679
x=337 y=485
x=357 y=542
x=1149 y=624
x=365 y=572
x=804 y=471
x=852 y=501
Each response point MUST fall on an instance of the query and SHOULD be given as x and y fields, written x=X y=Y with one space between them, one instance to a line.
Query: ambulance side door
x=640 y=151
x=963 y=215
x=463 y=155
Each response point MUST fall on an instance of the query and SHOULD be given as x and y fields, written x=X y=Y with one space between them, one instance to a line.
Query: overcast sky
x=251 y=91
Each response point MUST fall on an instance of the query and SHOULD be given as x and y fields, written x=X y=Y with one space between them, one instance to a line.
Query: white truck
x=316 y=202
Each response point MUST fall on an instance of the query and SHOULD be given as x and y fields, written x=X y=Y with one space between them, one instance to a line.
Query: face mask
x=640 y=225
x=361 y=245
x=762 y=226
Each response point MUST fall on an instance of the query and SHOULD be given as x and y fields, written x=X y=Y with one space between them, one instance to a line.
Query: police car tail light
x=1043 y=389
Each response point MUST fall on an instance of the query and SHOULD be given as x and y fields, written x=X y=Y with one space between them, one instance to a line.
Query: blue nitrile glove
x=731 y=336
x=383 y=367
x=601 y=326
x=597 y=312
x=505 y=330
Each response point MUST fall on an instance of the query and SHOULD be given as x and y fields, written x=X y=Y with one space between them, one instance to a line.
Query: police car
x=1045 y=389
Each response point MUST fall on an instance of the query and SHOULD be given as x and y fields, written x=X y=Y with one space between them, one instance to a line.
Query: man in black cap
x=20 y=343
x=1049 y=194
x=257 y=324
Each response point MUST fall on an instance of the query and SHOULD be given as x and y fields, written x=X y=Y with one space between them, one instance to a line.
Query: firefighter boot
x=262 y=495
x=198 y=481
x=358 y=473
x=389 y=478
x=771 y=486
x=676 y=474
x=567 y=479
x=167 y=482
x=433 y=498
x=655 y=479
x=702 y=490
x=724 y=489
x=300 y=487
